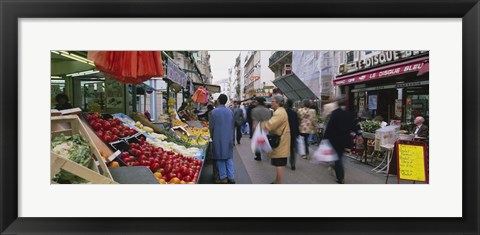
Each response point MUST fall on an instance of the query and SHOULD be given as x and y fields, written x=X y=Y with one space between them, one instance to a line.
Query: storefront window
x=56 y=87
x=416 y=105
x=93 y=96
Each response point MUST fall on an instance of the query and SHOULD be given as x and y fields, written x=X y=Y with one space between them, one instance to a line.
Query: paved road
x=248 y=171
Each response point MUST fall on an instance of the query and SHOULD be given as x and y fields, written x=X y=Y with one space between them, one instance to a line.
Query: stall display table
x=387 y=158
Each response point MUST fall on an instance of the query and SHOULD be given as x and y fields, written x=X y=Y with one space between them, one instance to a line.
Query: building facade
x=257 y=76
x=392 y=84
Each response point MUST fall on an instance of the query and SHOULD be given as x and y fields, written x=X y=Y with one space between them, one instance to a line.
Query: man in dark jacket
x=340 y=125
x=294 y=130
x=239 y=120
x=249 y=117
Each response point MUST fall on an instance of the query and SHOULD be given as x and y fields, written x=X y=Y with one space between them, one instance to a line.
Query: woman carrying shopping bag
x=308 y=123
x=278 y=126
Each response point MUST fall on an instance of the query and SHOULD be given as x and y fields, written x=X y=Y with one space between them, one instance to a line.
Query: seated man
x=421 y=130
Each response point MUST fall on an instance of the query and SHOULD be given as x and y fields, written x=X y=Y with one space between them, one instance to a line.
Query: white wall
x=267 y=75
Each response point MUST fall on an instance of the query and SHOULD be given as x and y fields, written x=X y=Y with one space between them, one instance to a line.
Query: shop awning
x=294 y=88
x=425 y=69
x=210 y=88
x=382 y=72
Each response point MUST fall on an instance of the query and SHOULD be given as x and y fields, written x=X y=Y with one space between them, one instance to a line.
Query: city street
x=249 y=171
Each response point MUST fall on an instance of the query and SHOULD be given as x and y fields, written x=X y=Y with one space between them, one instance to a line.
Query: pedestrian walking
x=221 y=130
x=249 y=117
x=294 y=130
x=340 y=125
x=245 y=124
x=278 y=125
x=308 y=123
x=239 y=120
x=260 y=114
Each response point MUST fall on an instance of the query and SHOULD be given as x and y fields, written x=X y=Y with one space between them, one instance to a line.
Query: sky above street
x=220 y=61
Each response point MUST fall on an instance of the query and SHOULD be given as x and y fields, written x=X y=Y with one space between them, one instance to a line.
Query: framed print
x=406 y=43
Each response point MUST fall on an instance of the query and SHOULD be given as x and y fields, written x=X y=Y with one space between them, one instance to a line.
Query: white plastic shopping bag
x=259 y=141
x=301 y=146
x=324 y=153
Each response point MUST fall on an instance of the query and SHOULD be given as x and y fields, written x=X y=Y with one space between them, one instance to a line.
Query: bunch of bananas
x=177 y=122
x=199 y=131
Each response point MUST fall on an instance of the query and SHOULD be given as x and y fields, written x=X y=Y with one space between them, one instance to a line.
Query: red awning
x=383 y=72
x=425 y=69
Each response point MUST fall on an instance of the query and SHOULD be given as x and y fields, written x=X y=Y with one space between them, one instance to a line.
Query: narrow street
x=249 y=171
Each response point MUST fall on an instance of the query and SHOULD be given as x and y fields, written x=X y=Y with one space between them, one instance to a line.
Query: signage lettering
x=381 y=73
x=385 y=57
x=175 y=74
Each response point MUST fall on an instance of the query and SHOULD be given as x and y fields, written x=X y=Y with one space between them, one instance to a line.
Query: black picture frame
x=11 y=11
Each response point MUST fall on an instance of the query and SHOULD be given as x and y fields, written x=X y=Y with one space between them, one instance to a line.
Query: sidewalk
x=248 y=171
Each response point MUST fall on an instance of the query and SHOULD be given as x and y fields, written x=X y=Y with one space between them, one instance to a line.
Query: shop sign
x=375 y=88
x=385 y=57
x=175 y=74
x=254 y=78
x=387 y=72
x=410 y=84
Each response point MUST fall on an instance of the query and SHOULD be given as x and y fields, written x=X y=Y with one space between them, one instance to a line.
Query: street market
x=144 y=117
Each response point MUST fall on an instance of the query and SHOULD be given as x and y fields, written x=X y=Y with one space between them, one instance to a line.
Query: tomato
x=107 y=139
x=155 y=166
x=136 y=164
x=97 y=126
x=114 y=138
x=162 y=171
x=132 y=158
x=168 y=168
x=132 y=132
x=171 y=175
x=116 y=120
x=125 y=154
x=179 y=175
x=187 y=179
x=115 y=131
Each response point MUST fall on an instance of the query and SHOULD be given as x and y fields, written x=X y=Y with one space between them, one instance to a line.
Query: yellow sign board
x=411 y=162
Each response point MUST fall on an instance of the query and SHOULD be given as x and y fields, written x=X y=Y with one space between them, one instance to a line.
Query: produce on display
x=109 y=130
x=74 y=148
x=177 y=122
x=163 y=118
x=167 y=166
x=369 y=126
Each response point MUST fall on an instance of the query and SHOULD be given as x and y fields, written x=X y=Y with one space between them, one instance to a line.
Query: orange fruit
x=113 y=164
x=175 y=180
x=162 y=181
x=158 y=175
x=182 y=182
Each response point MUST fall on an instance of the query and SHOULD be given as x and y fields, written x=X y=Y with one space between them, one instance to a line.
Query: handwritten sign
x=411 y=162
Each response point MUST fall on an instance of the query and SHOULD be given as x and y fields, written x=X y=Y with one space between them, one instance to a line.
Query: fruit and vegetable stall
x=171 y=156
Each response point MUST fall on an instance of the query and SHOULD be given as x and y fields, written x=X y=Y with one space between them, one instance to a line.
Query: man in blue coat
x=221 y=129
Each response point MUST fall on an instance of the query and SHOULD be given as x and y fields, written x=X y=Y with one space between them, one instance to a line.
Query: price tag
x=114 y=155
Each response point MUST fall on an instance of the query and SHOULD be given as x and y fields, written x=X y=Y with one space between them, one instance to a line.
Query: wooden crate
x=61 y=163
x=101 y=146
x=71 y=124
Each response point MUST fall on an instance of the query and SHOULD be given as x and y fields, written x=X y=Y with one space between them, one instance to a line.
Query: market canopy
x=293 y=88
x=133 y=67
